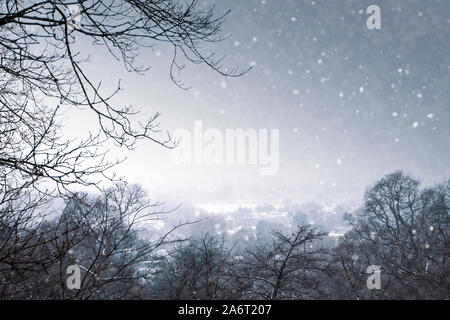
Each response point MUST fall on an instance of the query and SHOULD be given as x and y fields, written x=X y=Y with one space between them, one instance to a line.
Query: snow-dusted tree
x=43 y=70
x=99 y=234
x=405 y=231
x=285 y=266
x=201 y=269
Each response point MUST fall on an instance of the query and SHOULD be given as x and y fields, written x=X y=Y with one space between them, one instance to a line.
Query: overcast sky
x=351 y=104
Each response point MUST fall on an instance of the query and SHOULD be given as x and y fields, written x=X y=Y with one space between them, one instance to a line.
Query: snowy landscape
x=224 y=150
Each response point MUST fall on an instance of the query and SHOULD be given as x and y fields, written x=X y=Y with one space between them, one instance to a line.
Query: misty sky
x=351 y=104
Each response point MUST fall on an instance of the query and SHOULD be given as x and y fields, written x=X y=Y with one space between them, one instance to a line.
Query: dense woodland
x=399 y=227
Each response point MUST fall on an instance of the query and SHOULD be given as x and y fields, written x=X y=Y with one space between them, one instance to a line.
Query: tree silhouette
x=99 y=234
x=42 y=69
x=42 y=72
x=405 y=231
x=284 y=266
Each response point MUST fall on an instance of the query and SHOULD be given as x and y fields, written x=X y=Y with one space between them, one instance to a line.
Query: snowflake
x=74 y=16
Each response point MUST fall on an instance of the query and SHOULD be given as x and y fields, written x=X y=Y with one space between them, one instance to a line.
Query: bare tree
x=406 y=232
x=285 y=267
x=42 y=69
x=99 y=234
x=200 y=269
x=42 y=72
